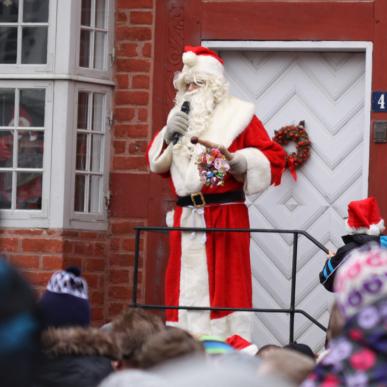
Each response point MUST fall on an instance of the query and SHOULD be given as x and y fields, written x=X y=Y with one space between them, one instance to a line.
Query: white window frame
x=63 y=77
x=77 y=219
x=24 y=69
x=13 y=217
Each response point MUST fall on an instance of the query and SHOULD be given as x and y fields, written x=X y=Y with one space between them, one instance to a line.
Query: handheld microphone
x=185 y=109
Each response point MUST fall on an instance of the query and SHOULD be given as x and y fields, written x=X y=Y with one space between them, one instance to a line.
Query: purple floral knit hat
x=362 y=279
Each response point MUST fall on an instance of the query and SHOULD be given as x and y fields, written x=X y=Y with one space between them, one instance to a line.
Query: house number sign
x=379 y=101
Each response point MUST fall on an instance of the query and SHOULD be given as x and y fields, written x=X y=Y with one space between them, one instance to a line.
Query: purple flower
x=340 y=350
x=359 y=379
x=368 y=317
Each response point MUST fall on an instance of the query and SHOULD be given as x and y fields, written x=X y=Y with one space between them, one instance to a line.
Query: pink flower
x=363 y=360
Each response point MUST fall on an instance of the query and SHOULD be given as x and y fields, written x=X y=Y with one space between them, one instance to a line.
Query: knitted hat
x=65 y=302
x=201 y=60
x=362 y=279
x=364 y=217
x=242 y=345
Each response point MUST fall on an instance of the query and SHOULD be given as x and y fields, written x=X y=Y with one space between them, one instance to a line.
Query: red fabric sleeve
x=255 y=136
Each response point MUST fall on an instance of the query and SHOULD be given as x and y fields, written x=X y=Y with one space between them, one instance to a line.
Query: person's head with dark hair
x=132 y=328
x=170 y=344
x=65 y=302
x=266 y=349
x=301 y=348
x=19 y=328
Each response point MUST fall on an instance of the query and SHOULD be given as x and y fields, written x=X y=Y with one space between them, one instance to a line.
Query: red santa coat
x=214 y=268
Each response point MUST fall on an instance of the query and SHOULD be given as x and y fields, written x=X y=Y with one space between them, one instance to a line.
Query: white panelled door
x=327 y=90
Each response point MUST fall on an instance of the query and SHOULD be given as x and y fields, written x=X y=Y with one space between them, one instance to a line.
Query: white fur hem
x=374 y=229
x=258 y=175
x=159 y=160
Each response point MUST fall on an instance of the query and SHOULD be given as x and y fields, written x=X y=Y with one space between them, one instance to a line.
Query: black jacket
x=351 y=242
x=76 y=357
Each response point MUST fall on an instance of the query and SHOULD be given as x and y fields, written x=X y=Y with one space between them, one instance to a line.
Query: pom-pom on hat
x=364 y=217
x=65 y=301
x=242 y=345
x=202 y=60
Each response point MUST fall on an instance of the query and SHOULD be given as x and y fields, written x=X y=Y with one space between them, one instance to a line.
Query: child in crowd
x=365 y=225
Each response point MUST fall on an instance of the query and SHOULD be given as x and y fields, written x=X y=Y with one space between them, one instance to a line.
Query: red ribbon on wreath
x=297 y=134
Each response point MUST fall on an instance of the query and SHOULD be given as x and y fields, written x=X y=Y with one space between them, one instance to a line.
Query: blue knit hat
x=65 y=302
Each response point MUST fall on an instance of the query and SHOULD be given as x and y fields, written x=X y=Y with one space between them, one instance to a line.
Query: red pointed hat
x=364 y=217
x=198 y=59
x=241 y=344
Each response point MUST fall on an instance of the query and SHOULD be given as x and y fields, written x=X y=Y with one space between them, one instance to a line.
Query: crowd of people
x=51 y=342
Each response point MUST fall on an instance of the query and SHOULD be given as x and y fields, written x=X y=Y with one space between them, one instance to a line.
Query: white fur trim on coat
x=258 y=175
x=374 y=229
x=160 y=161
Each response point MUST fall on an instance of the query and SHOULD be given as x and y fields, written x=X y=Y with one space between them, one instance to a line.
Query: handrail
x=292 y=311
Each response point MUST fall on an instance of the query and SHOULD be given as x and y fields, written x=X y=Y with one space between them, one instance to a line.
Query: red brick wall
x=131 y=133
x=38 y=253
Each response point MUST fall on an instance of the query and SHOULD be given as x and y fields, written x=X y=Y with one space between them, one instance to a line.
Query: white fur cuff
x=159 y=160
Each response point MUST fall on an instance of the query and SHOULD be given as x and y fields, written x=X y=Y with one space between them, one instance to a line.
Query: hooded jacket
x=76 y=357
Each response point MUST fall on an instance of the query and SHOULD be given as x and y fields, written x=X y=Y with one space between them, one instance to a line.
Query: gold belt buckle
x=194 y=197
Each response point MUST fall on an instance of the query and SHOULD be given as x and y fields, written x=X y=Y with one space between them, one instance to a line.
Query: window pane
x=84 y=49
x=98 y=112
x=86 y=13
x=99 y=50
x=79 y=200
x=32 y=103
x=9 y=11
x=5 y=189
x=35 y=11
x=100 y=13
x=34 y=45
x=30 y=149
x=81 y=151
x=94 y=193
x=7 y=107
x=83 y=104
x=96 y=152
x=6 y=148
x=8 y=44
x=29 y=191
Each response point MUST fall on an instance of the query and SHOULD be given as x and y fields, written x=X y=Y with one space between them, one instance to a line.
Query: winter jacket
x=351 y=242
x=76 y=357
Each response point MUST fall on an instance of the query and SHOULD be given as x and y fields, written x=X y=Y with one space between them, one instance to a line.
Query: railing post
x=135 y=269
x=293 y=288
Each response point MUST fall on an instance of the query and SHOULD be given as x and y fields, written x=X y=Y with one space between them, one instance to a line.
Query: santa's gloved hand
x=238 y=164
x=178 y=123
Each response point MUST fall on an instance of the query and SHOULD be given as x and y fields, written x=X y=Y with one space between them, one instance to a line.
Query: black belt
x=198 y=199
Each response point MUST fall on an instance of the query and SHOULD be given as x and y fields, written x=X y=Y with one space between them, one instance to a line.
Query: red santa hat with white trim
x=242 y=345
x=202 y=60
x=364 y=217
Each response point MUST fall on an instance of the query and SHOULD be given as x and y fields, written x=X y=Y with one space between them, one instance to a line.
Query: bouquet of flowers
x=213 y=166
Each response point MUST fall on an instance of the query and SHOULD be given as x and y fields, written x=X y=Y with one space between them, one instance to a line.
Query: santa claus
x=211 y=269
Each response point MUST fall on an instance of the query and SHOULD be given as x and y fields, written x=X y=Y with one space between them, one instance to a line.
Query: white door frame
x=341 y=46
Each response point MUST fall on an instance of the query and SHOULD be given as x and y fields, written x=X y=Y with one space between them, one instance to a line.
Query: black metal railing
x=292 y=311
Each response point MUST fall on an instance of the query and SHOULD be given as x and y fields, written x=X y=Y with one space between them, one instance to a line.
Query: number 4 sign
x=379 y=101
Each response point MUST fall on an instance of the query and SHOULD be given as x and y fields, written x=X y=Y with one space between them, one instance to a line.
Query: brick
x=134 y=4
x=124 y=114
x=122 y=81
x=141 y=17
x=130 y=162
x=97 y=314
x=119 y=276
x=68 y=247
x=116 y=309
x=88 y=235
x=133 y=33
x=73 y=261
x=97 y=298
x=128 y=244
x=133 y=65
x=8 y=245
x=140 y=82
x=126 y=130
x=147 y=50
x=119 y=293
x=52 y=262
x=70 y=233
x=115 y=244
x=42 y=245
x=127 y=49
x=25 y=261
x=121 y=17
x=37 y=278
x=28 y=232
x=92 y=280
x=99 y=249
x=83 y=248
x=138 y=147
x=131 y=97
x=142 y=115
x=95 y=265
x=119 y=147
x=121 y=260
